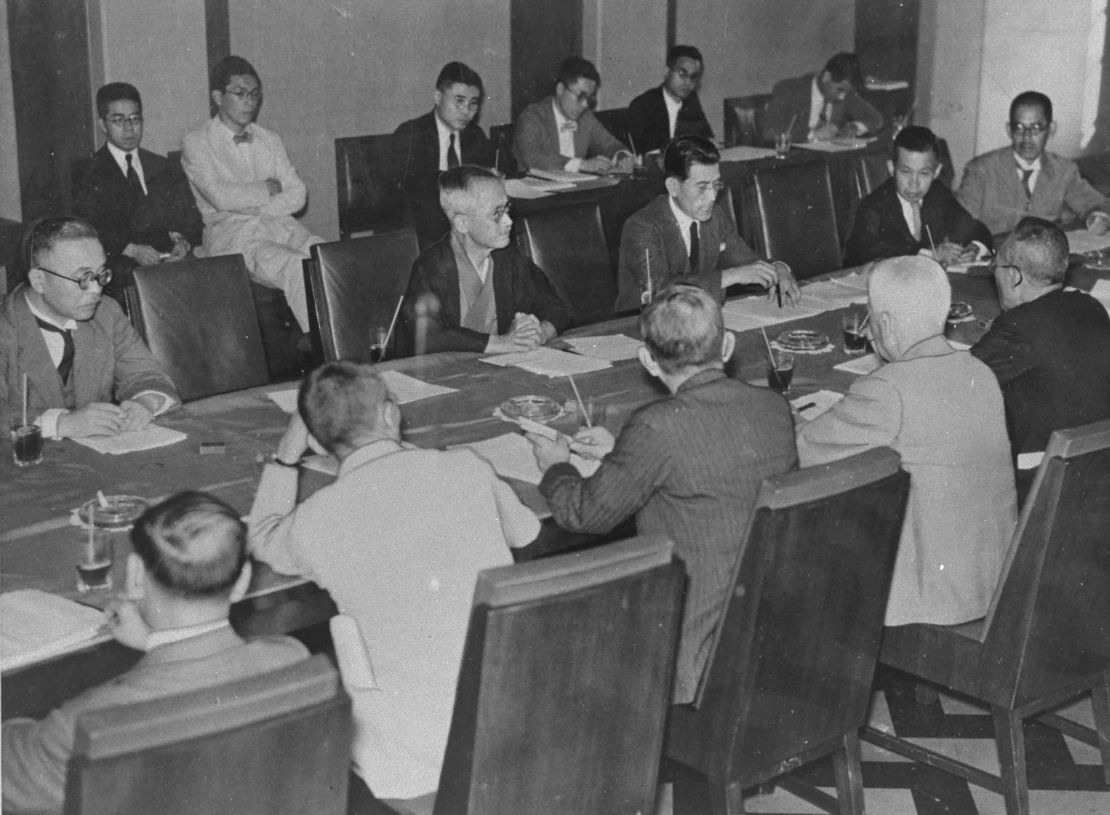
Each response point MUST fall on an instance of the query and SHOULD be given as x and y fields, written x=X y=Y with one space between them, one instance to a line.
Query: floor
x=1065 y=776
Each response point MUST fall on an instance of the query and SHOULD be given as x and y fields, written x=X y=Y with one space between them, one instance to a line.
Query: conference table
x=39 y=544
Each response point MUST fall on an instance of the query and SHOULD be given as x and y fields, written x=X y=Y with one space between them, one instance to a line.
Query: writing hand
x=135 y=415
x=142 y=254
x=547 y=452
x=597 y=164
x=94 y=419
x=1098 y=222
x=593 y=442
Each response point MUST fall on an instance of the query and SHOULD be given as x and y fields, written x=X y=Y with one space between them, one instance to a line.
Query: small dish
x=959 y=311
x=536 y=408
x=121 y=512
x=802 y=340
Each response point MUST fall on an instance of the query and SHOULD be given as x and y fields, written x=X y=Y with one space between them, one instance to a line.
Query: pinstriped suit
x=688 y=466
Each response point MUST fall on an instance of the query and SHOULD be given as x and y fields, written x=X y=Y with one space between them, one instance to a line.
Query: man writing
x=407 y=576
x=941 y=410
x=822 y=106
x=561 y=132
x=685 y=236
x=1003 y=186
x=139 y=202
x=673 y=109
x=88 y=371
x=688 y=466
x=246 y=187
x=189 y=563
x=489 y=296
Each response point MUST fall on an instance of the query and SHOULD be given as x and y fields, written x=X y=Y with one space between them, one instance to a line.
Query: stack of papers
x=38 y=625
x=612 y=347
x=759 y=312
x=148 y=438
x=1082 y=241
x=835 y=145
x=511 y=456
x=549 y=362
x=533 y=187
x=812 y=406
x=561 y=176
x=861 y=365
x=404 y=388
x=744 y=152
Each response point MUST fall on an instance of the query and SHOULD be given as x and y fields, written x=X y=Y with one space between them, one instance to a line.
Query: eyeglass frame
x=102 y=277
x=1035 y=130
x=119 y=120
x=242 y=94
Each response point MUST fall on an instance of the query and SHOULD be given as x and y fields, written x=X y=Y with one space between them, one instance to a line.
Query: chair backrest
x=564 y=685
x=568 y=243
x=744 y=118
x=198 y=317
x=872 y=169
x=266 y=745
x=368 y=186
x=1047 y=624
x=615 y=120
x=795 y=653
x=353 y=286
x=502 y=138
x=797 y=219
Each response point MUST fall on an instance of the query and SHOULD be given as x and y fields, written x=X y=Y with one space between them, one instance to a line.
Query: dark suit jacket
x=1052 y=360
x=790 y=99
x=655 y=230
x=536 y=141
x=518 y=285
x=102 y=196
x=650 y=127
x=881 y=231
x=688 y=466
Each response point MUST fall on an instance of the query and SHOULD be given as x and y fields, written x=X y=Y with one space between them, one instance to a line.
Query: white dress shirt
x=566 y=139
x=684 y=222
x=1022 y=164
x=817 y=104
x=673 y=106
x=445 y=142
x=121 y=159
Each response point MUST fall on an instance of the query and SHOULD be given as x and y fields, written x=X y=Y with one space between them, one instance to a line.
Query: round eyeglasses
x=119 y=120
x=102 y=277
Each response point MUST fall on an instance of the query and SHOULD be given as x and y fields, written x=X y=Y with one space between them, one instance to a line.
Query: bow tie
x=242 y=138
x=569 y=125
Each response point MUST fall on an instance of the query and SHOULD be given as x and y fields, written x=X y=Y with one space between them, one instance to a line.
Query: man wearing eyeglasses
x=487 y=296
x=139 y=202
x=246 y=187
x=685 y=236
x=673 y=109
x=1005 y=185
x=561 y=131
x=88 y=371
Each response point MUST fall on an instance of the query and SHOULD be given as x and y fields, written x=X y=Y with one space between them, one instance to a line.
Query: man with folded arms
x=88 y=371
x=398 y=541
x=561 y=132
x=139 y=202
x=1003 y=186
x=941 y=410
x=822 y=106
x=685 y=236
x=909 y=214
x=687 y=466
x=1050 y=348
x=188 y=564
x=489 y=297
x=673 y=109
x=246 y=187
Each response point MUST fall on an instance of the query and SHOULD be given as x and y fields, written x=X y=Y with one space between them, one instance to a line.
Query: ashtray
x=536 y=408
x=121 y=512
x=802 y=340
x=959 y=311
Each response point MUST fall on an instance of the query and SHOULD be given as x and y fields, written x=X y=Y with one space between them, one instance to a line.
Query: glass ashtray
x=802 y=340
x=959 y=311
x=121 y=512
x=536 y=408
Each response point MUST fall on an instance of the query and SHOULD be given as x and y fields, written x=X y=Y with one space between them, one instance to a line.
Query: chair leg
x=1100 y=701
x=1011 y=759
x=849 y=775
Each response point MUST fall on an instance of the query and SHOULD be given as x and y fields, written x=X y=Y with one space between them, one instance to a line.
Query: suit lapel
x=91 y=355
x=34 y=359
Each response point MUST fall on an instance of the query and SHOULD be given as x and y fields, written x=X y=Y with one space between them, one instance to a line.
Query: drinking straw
x=647 y=266
x=767 y=342
x=631 y=143
x=497 y=159
x=102 y=499
x=24 y=400
x=90 y=543
x=866 y=319
x=932 y=245
x=790 y=127
x=392 y=324
x=578 y=398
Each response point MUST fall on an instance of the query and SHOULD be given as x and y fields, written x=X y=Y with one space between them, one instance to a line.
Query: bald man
x=942 y=410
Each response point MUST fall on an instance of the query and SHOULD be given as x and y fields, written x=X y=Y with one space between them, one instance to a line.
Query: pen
x=807 y=406
x=778 y=292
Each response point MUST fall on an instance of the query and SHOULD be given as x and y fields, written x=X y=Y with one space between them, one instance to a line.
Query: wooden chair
x=368 y=187
x=198 y=317
x=615 y=120
x=796 y=219
x=353 y=286
x=502 y=138
x=568 y=243
x=266 y=745
x=564 y=685
x=1045 y=638
x=872 y=169
x=744 y=119
x=789 y=678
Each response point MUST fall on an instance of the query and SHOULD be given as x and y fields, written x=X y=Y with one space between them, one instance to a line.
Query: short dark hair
x=228 y=67
x=44 y=233
x=1044 y=250
x=456 y=73
x=677 y=52
x=917 y=139
x=338 y=402
x=682 y=327
x=681 y=153
x=577 y=68
x=845 y=66
x=192 y=544
x=113 y=92
x=1031 y=99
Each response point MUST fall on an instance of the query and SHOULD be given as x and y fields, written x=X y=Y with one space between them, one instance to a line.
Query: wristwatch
x=275 y=460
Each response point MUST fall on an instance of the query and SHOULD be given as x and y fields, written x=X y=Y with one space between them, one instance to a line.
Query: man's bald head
x=913 y=295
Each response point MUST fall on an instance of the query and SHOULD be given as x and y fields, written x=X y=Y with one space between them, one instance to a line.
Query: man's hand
x=126 y=623
x=135 y=415
x=826 y=132
x=94 y=419
x=854 y=129
x=294 y=442
x=948 y=253
x=525 y=334
x=274 y=186
x=549 y=453
x=142 y=254
x=597 y=164
x=790 y=291
x=624 y=162
x=1098 y=222
x=766 y=274
x=593 y=442
x=181 y=246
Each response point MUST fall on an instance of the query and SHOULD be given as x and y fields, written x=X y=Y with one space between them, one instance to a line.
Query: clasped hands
x=527 y=333
x=768 y=274
x=589 y=442
x=622 y=162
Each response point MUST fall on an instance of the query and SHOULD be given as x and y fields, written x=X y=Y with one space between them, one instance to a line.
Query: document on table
x=404 y=388
x=612 y=347
x=1082 y=241
x=549 y=362
x=835 y=295
x=38 y=625
x=511 y=457
x=148 y=438
x=861 y=365
x=561 y=176
x=835 y=145
x=745 y=152
x=747 y=313
x=812 y=406
x=532 y=188
x=1101 y=292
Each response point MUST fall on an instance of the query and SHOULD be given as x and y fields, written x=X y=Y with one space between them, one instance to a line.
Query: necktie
x=695 y=247
x=1026 y=177
x=569 y=125
x=452 y=155
x=242 y=138
x=915 y=211
x=66 y=365
x=133 y=179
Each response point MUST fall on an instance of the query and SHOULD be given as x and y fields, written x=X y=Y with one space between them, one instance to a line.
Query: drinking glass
x=780 y=371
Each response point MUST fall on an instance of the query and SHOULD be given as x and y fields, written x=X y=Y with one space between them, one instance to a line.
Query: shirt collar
x=165 y=636
x=1025 y=165
x=227 y=133
x=67 y=325
x=703 y=377
x=560 y=119
x=683 y=219
x=121 y=156
x=444 y=131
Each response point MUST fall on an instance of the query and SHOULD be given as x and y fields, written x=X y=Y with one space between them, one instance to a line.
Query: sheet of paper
x=286 y=399
x=855 y=280
x=1029 y=461
x=834 y=295
x=549 y=362
x=511 y=456
x=811 y=406
x=404 y=388
x=561 y=176
x=861 y=365
x=612 y=347
x=745 y=152
x=327 y=465
x=1082 y=241
x=835 y=146
x=518 y=188
x=959 y=346
x=148 y=438
x=1101 y=292
x=754 y=312
x=38 y=625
